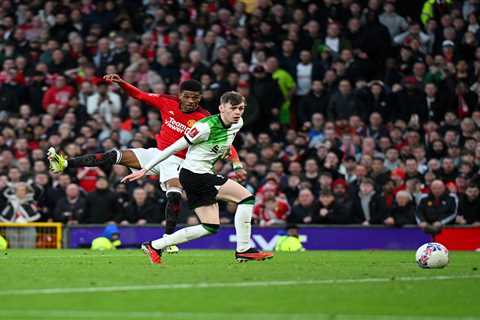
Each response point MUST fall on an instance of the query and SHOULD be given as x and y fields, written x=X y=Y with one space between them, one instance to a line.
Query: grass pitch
x=80 y=284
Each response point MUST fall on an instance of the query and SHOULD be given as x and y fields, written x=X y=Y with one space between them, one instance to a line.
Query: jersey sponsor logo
x=191 y=122
x=193 y=132
x=175 y=125
x=215 y=149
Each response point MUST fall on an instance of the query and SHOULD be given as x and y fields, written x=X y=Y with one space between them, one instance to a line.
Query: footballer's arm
x=152 y=99
x=241 y=173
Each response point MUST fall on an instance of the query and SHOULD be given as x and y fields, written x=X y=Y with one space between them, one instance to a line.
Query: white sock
x=243 y=226
x=180 y=236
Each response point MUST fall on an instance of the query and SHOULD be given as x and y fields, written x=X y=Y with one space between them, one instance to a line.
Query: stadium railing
x=41 y=235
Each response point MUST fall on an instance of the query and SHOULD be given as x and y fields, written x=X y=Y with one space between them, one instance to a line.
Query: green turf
x=382 y=286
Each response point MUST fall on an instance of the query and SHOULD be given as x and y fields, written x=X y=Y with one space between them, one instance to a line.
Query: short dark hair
x=191 y=85
x=326 y=193
x=367 y=181
x=472 y=185
x=232 y=97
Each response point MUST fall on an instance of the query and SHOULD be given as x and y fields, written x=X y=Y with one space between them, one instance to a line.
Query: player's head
x=190 y=95
x=232 y=106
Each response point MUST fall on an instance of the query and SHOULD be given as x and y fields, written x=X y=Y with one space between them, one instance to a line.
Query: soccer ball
x=432 y=255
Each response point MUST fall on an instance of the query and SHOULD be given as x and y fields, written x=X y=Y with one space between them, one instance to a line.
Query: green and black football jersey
x=209 y=141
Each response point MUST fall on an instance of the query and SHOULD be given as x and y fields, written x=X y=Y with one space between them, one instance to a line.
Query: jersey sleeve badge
x=193 y=133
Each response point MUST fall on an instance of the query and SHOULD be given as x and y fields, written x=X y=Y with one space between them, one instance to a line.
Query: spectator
x=306 y=71
x=20 y=209
x=315 y=101
x=251 y=117
x=376 y=100
x=330 y=210
x=141 y=210
x=411 y=170
x=379 y=174
x=8 y=98
x=469 y=206
x=270 y=208
x=434 y=106
x=342 y=103
x=403 y=210
x=101 y=205
x=286 y=83
x=70 y=209
x=333 y=40
x=434 y=7
x=302 y=210
x=56 y=98
x=368 y=205
x=267 y=93
x=104 y=103
x=393 y=21
x=437 y=209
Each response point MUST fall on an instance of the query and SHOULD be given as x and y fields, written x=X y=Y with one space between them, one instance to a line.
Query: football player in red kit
x=178 y=115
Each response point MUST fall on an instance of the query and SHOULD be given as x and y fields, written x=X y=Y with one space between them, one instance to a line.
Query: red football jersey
x=174 y=122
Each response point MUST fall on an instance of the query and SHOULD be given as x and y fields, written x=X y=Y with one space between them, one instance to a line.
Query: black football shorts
x=201 y=188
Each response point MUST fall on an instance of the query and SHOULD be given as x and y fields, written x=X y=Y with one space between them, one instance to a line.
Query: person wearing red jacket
x=179 y=114
x=271 y=207
x=58 y=95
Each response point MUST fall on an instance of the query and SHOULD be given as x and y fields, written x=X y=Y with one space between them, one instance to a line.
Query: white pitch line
x=133 y=255
x=208 y=285
x=80 y=314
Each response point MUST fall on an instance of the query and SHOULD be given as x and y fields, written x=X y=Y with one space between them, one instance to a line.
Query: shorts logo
x=192 y=133
x=190 y=123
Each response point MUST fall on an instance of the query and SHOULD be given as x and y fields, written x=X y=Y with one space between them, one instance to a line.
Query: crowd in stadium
x=359 y=112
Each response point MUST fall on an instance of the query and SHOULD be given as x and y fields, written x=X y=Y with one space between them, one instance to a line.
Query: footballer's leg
x=172 y=209
x=104 y=160
x=233 y=191
x=210 y=223
x=201 y=190
x=170 y=183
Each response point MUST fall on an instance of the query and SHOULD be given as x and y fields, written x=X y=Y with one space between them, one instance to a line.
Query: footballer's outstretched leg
x=105 y=160
x=155 y=248
x=155 y=255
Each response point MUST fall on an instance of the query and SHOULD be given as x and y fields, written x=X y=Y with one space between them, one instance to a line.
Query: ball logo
x=191 y=122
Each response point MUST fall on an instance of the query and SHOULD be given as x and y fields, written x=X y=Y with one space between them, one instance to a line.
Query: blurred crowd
x=359 y=111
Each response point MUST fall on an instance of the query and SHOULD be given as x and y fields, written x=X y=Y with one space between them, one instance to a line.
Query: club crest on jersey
x=191 y=122
x=193 y=132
